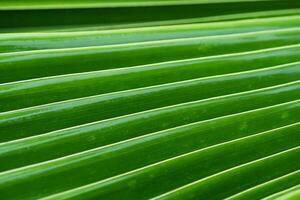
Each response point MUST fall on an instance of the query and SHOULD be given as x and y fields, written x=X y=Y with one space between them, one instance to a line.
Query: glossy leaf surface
x=138 y=99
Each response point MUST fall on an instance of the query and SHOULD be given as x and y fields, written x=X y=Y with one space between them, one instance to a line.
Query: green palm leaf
x=137 y=99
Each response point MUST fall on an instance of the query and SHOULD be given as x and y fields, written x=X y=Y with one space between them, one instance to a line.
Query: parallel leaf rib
x=291 y=194
x=63 y=88
x=204 y=162
x=37 y=149
x=32 y=41
x=191 y=20
x=63 y=172
x=33 y=64
x=233 y=180
x=270 y=187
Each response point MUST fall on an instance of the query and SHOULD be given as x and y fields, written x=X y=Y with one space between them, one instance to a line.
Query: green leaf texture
x=140 y=99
